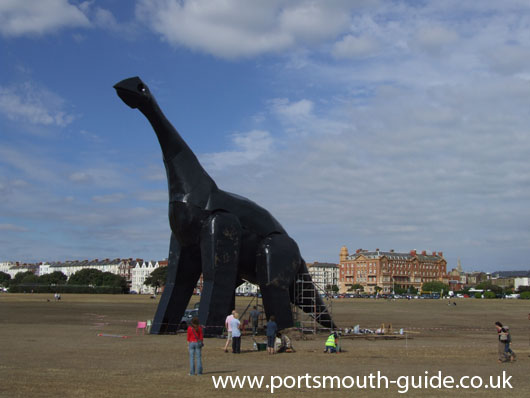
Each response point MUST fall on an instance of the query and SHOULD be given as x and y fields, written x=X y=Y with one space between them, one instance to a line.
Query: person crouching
x=331 y=343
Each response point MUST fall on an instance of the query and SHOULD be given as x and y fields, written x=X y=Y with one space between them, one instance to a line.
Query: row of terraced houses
x=135 y=271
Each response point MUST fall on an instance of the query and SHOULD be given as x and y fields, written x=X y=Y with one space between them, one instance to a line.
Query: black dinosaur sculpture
x=225 y=236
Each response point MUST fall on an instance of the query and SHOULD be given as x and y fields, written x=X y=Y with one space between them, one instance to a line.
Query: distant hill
x=511 y=274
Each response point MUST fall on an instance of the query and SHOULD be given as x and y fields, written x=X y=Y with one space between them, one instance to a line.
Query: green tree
x=355 y=287
x=4 y=279
x=86 y=277
x=487 y=285
x=435 y=286
x=399 y=289
x=335 y=289
x=490 y=295
x=525 y=295
x=54 y=278
x=96 y=278
x=110 y=279
x=157 y=278
x=31 y=278
x=20 y=276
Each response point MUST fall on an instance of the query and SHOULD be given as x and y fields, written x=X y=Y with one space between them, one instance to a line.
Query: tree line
x=83 y=281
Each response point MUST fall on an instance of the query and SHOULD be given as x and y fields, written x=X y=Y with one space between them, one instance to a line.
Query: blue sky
x=371 y=124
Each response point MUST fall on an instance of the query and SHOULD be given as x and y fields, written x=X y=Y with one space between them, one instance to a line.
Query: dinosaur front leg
x=220 y=246
x=277 y=262
x=182 y=275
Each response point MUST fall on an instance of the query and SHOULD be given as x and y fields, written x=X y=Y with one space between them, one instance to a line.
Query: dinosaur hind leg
x=278 y=260
x=220 y=244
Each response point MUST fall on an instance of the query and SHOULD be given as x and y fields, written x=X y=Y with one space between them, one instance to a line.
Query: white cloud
x=27 y=163
x=236 y=28
x=107 y=175
x=510 y=59
x=34 y=104
x=81 y=177
x=292 y=111
x=39 y=16
x=105 y=19
x=12 y=228
x=250 y=147
x=299 y=119
x=313 y=20
x=433 y=39
x=353 y=47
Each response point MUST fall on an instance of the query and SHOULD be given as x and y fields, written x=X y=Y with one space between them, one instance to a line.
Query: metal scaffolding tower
x=305 y=315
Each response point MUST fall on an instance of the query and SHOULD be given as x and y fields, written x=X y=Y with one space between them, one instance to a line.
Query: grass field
x=52 y=349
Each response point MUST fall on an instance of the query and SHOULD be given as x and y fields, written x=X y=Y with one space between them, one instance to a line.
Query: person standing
x=195 y=343
x=254 y=318
x=501 y=346
x=507 y=346
x=236 y=334
x=228 y=329
x=272 y=329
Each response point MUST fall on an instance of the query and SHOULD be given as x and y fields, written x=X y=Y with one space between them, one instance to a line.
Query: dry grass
x=51 y=349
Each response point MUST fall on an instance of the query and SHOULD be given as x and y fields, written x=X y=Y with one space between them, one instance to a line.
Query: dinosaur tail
x=308 y=298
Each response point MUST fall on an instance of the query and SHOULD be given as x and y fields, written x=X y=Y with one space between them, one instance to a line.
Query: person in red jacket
x=195 y=343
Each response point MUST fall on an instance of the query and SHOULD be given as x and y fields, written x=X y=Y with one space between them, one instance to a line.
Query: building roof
x=86 y=263
x=322 y=265
x=396 y=256
x=25 y=266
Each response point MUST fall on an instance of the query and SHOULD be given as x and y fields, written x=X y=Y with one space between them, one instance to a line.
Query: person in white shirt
x=236 y=334
x=228 y=329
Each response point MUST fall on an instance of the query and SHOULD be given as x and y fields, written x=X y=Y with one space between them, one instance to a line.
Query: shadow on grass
x=216 y=372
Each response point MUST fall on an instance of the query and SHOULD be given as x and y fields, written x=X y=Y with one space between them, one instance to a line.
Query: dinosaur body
x=225 y=236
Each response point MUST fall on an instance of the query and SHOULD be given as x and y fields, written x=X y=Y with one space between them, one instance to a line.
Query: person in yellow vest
x=331 y=343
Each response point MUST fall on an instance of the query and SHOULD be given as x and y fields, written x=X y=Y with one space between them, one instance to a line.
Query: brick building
x=389 y=269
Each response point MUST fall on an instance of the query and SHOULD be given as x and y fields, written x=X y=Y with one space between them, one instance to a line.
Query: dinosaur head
x=134 y=92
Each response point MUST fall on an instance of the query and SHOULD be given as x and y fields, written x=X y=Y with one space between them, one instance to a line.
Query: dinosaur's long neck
x=187 y=180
